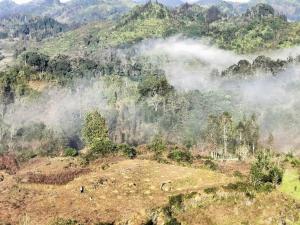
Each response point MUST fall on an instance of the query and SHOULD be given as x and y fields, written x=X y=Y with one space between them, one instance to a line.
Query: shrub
x=180 y=156
x=36 y=59
x=71 y=152
x=102 y=147
x=24 y=156
x=211 y=190
x=295 y=162
x=173 y=221
x=176 y=201
x=149 y=222
x=239 y=186
x=65 y=222
x=265 y=171
x=59 y=65
x=158 y=146
x=210 y=164
x=127 y=151
x=267 y=187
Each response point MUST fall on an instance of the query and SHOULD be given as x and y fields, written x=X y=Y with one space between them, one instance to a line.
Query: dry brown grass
x=121 y=190
x=114 y=192
x=38 y=85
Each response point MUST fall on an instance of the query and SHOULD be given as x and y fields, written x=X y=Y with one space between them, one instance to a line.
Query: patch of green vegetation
x=294 y=161
x=211 y=190
x=180 y=156
x=265 y=171
x=173 y=221
x=176 y=201
x=127 y=151
x=158 y=146
x=71 y=152
x=238 y=174
x=73 y=41
x=291 y=183
x=101 y=223
x=61 y=221
x=210 y=164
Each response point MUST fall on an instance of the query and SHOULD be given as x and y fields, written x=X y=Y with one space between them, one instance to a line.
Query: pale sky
x=25 y=1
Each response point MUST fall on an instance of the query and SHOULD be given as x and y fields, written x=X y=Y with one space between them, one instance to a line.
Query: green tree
x=35 y=59
x=94 y=128
x=153 y=85
x=60 y=65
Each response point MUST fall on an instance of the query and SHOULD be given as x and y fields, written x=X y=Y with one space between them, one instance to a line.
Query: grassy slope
x=71 y=42
x=131 y=187
x=228 y=209
x=122 y=190
x=291 y=183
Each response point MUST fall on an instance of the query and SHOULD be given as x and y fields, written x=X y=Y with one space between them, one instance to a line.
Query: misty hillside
x=33 y=27
x=86 y=11
x=95 y=10
x=121 y=112
x=290 y=8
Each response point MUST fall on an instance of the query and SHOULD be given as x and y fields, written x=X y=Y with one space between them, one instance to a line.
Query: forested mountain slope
x=36 y=28
x=192 y=110
x=259 y=28
x=169 y=3
x=72 y=12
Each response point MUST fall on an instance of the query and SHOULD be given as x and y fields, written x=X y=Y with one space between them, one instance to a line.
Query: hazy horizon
x=191 y=1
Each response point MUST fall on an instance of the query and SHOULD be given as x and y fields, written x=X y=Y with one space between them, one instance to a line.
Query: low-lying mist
x=58 y=108
x=274 y=99
x=188 y=65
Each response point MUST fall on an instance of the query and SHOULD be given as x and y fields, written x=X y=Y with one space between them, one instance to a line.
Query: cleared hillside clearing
x=113 y=191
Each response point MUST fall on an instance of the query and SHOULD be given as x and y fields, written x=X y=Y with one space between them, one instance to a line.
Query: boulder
x=166 y=186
